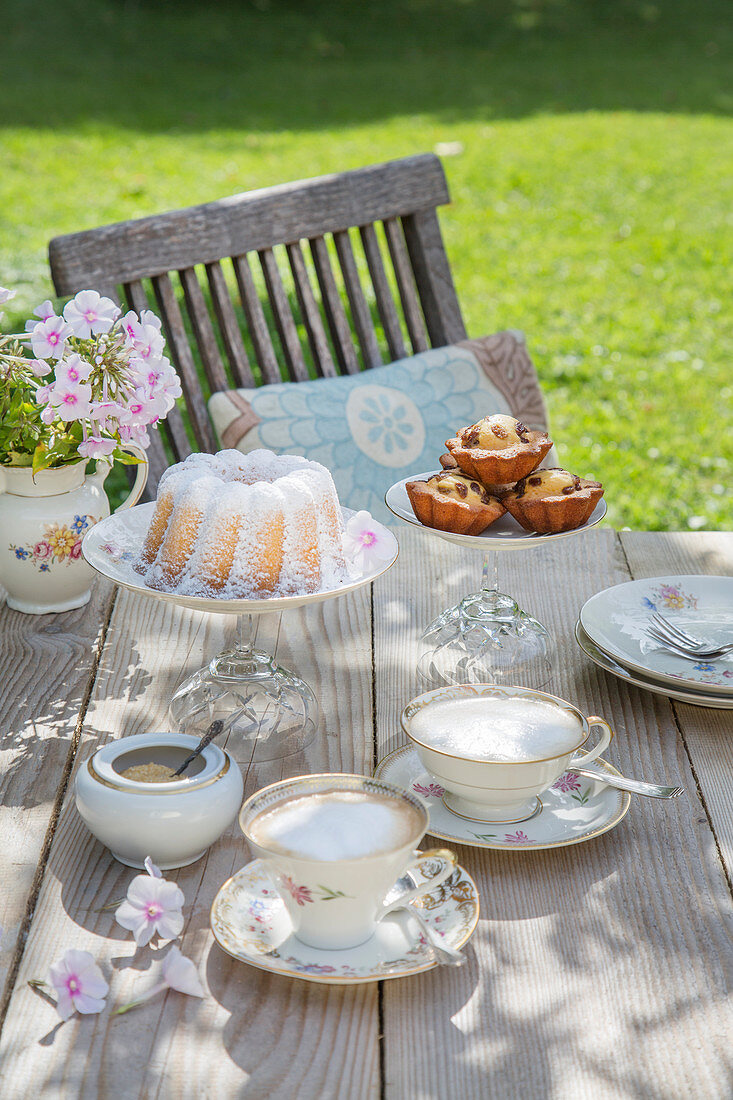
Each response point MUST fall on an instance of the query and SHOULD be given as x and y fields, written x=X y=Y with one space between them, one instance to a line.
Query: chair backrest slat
x=203 y=329
x=183 y=360
x=433 y=278
x=405 y=285
x=385 y=302
x=360 y=314
x=256 y=322
x=341 y=308
x=333 y=306
x=284 y=321
x=228 y=325
x=311 y=315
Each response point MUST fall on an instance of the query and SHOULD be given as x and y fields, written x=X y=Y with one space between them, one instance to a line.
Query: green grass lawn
x=591 y=168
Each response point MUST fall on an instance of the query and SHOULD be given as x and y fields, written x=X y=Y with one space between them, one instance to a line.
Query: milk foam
x=332 y=825
x=497 y=728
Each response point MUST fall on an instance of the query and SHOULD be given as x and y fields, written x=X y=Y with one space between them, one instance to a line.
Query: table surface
x=599 y=970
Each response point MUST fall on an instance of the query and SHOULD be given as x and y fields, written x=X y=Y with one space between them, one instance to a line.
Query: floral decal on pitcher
x=60 y=543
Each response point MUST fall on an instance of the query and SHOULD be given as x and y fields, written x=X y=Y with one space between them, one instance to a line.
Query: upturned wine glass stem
x=246 y=631
x=490 y=578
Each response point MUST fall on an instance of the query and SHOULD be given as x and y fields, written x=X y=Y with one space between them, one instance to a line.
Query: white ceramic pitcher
x=42 y=522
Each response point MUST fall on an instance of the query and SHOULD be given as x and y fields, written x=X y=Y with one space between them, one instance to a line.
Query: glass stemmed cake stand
x=486 y=637
x=268 y=712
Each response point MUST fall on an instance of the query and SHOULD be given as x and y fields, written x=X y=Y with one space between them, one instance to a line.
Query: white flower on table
x=153 y=904
x=367 y=544
x=178 y=973
x=79 y=983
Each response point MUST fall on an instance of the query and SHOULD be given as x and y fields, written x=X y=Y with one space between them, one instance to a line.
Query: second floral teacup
x=496 y=749
x=334 y=845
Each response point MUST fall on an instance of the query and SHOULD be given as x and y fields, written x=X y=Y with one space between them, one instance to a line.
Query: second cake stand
x=486 y=637
x=268 y=711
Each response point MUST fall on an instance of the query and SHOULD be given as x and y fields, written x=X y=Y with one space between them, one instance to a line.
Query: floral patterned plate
x=504 y=534
x=684 y=694
x=616 y=620
x=249 y=921
x=573 y=810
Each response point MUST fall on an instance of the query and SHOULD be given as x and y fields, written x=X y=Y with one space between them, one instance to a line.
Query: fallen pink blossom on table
x=178 y=973
x=79 y=983
x=153 y=904
x=367 y=543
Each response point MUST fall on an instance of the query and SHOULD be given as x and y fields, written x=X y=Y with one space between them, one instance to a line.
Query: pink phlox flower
x=90 y=314
x=44 y=311
x=153 y=904
x=48 y=414
x=39 y=367
x=79 y=983
x=367 y=543
x=178 y=973
x=150 y=867
x=73 y=369
x=148 y=342
x=6 y=295
x=48 y=338
x=71 y=400
x=96 y=446
x=107 y=414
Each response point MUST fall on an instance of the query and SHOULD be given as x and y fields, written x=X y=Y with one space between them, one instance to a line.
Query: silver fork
x=692 y=653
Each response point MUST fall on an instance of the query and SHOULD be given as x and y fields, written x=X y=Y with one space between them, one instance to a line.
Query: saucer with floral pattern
x=250 y=922
x=574 y=809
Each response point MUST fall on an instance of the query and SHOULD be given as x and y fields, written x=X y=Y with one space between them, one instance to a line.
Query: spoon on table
x=634 y=786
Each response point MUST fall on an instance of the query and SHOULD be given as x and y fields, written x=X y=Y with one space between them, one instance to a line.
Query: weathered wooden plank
x=334 y=309
x=248 y=222
x=47 y=667
x=433 y=278
x=597 y=970
x=256 y=323
x=229 y=326
x=706 y=733
x=203 y=329
x=360 y=314
x=311 y=315
x=183 y=359
x=406 y=285
x=283 y=317
x=383 y=293
x=253 y=1035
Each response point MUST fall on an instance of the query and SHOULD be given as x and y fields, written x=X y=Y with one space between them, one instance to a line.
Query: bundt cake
x=238 y=526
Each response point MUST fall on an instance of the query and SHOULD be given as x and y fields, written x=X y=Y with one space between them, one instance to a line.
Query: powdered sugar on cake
x=252 y=526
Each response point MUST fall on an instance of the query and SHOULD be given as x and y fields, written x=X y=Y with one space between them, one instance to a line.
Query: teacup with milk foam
x=496 y=749
x=334 y=845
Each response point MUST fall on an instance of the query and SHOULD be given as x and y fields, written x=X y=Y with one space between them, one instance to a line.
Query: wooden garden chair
x=324 y=310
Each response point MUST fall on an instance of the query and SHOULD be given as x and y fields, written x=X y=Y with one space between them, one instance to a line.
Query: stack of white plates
x=612 y=626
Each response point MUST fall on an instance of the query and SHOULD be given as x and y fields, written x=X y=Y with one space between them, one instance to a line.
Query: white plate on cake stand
x=113 y=544
x=250 y=922
x=574 y=809
x=504 y=534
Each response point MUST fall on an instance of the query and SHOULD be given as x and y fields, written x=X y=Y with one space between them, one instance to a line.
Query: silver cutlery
x=634 y=786
x=668 y=633
x=444 y=953
x=690 y=652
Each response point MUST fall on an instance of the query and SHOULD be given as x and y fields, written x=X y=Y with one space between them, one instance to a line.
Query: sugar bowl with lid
x=173 y=821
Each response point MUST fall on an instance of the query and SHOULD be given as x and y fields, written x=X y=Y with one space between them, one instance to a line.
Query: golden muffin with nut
x=498 y=449
x=451 y=501
x=549 y=501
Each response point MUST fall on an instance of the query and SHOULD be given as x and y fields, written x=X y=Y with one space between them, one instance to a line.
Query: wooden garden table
x=596 y=971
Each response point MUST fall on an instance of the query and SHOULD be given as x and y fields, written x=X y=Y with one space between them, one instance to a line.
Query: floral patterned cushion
x=377 y=427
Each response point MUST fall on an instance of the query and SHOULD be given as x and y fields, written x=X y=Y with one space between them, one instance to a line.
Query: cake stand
x=486 y=637
x=269 y=712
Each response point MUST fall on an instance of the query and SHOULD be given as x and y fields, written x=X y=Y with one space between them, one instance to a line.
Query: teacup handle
x=449 y=861
x=605 y=740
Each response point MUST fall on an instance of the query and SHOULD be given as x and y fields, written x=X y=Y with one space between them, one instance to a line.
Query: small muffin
x=448 y=462
x=453 y=502
x=498 y=450
x=548 y=501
